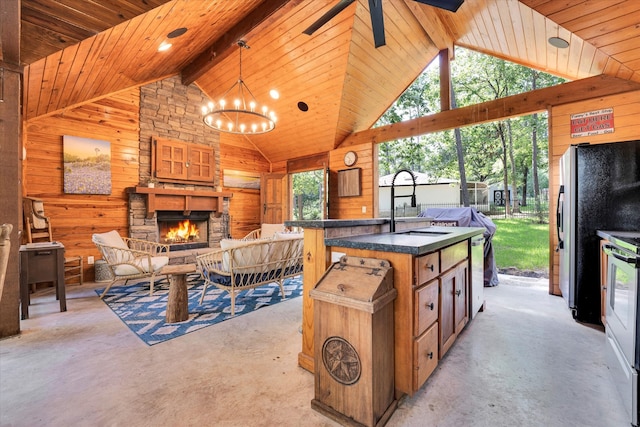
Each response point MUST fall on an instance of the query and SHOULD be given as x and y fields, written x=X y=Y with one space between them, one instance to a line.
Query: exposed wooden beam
x=445 y=80
x=223 y=47
x=511 y=106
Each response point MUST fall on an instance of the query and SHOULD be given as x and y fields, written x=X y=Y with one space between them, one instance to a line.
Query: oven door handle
x=610 y=250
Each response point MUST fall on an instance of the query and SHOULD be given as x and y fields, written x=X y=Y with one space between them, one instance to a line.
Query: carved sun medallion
x=341 y=360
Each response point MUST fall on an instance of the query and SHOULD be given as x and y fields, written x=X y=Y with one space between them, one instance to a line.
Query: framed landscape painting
x=87 y=165
x=241 y=179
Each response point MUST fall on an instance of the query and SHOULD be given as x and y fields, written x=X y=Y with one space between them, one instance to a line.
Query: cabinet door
x=460 y=306
x=446 y=325
x=201 y=164
x=171 y=159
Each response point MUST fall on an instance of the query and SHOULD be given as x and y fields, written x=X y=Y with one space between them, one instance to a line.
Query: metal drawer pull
x=429 y=267
x=43 y=253
x=458 y=292
x=430 y=355
x=430 y=306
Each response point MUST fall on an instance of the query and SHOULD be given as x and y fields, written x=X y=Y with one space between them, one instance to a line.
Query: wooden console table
x=178 y=303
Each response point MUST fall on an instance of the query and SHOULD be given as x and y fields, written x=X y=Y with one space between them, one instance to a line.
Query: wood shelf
x=178 y=199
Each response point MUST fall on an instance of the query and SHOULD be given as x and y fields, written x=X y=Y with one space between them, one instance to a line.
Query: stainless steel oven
x=622 y=320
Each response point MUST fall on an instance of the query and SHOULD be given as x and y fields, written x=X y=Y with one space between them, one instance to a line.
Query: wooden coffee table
x=178 y=303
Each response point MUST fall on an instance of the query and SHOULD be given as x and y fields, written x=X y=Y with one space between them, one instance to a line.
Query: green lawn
x=522 y=244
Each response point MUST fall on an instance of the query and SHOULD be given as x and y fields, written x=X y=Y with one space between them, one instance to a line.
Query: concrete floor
x=522 y=362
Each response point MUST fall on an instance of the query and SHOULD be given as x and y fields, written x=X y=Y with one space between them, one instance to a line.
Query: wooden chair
x=37 y=226
x=129 y=258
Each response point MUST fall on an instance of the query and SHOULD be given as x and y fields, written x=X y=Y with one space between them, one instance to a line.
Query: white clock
x=350 y=158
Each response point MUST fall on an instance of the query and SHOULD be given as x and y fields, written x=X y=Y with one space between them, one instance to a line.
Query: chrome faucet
x=392 y=224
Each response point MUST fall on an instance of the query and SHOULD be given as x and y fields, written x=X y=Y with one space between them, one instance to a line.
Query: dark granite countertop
x=408 y=241
x=338 y=223
x=335 y=223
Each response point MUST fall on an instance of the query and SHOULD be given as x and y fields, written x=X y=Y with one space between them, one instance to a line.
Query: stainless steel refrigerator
x=599 y=190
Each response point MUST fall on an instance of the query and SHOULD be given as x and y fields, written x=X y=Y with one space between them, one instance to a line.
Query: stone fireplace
x=153 y=211
x=171 y=110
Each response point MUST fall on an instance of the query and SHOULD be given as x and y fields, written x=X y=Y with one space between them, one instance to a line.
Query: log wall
x=626 y=110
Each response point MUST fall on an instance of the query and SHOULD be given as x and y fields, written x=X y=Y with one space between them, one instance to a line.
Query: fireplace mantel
x=178 y=199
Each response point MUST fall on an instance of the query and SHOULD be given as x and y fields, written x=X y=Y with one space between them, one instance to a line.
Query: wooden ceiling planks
x=50 y=26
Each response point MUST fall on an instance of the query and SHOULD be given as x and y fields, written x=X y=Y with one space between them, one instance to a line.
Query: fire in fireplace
x=183 y=231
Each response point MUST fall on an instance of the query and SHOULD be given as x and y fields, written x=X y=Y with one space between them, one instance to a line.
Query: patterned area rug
x=145 y=315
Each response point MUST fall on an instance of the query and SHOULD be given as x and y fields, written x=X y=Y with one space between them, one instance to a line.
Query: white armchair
x=129 y=258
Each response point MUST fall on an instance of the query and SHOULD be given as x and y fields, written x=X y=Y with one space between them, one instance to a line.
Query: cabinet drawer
x=427 y=267
x=453 y=254
x=426 y=307
x=425 y=356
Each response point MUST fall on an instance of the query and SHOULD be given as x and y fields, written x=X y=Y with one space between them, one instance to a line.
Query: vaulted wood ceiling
x=75 y=51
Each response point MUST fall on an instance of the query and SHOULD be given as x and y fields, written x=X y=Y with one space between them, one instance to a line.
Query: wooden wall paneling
x=244 y=208
x=75 y=217
x=238 y=153
x=351 y=207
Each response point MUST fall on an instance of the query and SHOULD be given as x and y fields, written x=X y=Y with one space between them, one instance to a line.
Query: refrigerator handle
x=559 y=219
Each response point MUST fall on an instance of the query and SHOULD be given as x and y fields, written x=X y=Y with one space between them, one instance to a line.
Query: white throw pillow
x=268 y=230
x=157 y=262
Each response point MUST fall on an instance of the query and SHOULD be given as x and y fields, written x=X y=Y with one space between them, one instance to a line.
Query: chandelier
x=242 y=115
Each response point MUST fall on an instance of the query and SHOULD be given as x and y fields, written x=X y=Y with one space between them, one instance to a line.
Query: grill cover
x=470 y=217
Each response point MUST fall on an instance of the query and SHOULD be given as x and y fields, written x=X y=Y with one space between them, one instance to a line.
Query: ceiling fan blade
x=377 y=22
x=339 y=7
x=450 y=5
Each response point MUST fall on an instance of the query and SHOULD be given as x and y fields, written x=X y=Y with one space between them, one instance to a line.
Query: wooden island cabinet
x=431 y=308
x=431 y=276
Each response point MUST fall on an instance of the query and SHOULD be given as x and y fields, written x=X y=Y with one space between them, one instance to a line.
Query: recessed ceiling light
x=177 y=33
x=558 y=42
x=274 y=94
x=164 y=46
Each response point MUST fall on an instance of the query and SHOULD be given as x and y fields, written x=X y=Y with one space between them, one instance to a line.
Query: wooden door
x=272 y=197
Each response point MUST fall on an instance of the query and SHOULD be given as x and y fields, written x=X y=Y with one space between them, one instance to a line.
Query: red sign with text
x=592 y=123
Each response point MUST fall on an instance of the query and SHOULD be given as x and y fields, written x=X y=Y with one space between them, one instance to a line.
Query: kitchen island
x=431 y=267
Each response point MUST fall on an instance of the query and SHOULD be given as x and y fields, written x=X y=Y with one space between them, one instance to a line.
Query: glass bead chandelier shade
x=237 y=111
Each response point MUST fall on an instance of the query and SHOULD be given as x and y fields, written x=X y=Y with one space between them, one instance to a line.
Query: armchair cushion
x=141 y=263
x=268 y=230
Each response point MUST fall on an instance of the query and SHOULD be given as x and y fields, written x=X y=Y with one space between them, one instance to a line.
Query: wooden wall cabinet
x=182 y=161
